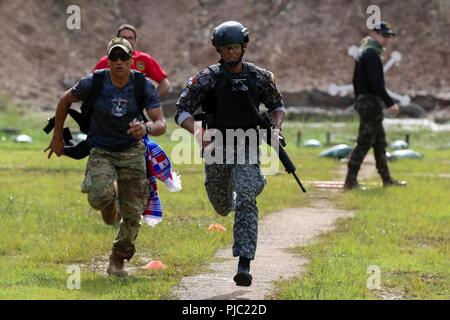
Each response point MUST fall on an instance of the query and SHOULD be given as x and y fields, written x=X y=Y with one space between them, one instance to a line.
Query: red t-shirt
x=143 y=62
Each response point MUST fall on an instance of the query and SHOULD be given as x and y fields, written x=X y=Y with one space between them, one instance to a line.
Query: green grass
x=403 y=231
x=47 y=225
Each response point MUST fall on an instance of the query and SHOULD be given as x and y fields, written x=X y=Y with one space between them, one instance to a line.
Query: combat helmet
x=228 y=33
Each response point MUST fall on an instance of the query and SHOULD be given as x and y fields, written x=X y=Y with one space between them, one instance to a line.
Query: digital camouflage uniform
x=233 y=186
x=129 y=170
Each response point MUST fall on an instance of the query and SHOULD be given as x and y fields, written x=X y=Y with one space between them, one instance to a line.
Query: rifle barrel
x=299 y=182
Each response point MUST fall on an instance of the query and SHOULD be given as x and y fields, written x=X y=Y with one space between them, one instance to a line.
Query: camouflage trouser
x=371 y=134
x=247 y=181
x=128 y=169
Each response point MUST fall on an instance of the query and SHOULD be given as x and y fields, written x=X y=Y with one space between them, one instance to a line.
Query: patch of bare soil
x=303 y=42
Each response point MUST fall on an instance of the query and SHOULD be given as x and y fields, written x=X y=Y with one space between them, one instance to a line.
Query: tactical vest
x=225 y=106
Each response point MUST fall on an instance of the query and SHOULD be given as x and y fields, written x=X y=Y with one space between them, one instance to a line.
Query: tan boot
x=116 y=266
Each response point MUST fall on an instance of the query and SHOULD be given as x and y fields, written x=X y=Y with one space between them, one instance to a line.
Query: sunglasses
x=123 y=56
x=234 y=47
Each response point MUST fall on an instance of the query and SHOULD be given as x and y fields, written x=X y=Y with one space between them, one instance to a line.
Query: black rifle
x=265 y=122
x=50 y=125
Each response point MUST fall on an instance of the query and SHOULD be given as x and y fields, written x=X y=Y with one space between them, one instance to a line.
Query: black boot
x=393 y=183
x=351 y=182
x=351 y=185
x=243 y=276
x=388 y=181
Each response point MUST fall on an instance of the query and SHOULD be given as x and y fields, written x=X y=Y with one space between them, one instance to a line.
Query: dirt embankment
x=303 y=42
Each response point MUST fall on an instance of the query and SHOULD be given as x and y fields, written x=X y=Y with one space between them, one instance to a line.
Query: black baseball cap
x=385 y=29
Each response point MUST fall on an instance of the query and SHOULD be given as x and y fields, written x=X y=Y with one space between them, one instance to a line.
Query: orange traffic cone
x=217 y=228
x=155 y=265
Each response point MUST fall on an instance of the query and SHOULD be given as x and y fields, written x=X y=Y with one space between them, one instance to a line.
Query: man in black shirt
x=371 y=98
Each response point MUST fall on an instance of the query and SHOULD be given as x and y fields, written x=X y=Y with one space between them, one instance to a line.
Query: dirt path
x=278 y=232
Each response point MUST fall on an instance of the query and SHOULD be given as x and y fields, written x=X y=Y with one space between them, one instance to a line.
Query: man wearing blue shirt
x=116 y=170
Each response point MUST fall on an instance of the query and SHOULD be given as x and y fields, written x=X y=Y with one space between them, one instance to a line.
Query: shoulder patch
x=191 y=81
x=202 y=79
x=140 y=65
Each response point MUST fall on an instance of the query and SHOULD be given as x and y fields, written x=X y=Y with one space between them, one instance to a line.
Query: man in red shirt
x=142 y=61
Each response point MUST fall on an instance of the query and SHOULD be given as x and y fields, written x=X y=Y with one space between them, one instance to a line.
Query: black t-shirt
x=368 y=77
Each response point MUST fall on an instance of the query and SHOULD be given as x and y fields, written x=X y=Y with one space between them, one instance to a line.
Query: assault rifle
x=265 y=122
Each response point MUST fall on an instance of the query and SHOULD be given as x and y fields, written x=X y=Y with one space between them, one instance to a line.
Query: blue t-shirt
x=113 y=110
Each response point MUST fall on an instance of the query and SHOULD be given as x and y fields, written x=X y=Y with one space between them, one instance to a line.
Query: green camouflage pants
x=371 y=134
x=129 y=170
x=247 y=181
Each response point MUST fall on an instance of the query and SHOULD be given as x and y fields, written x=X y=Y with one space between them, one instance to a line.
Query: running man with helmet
x=223 y=91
